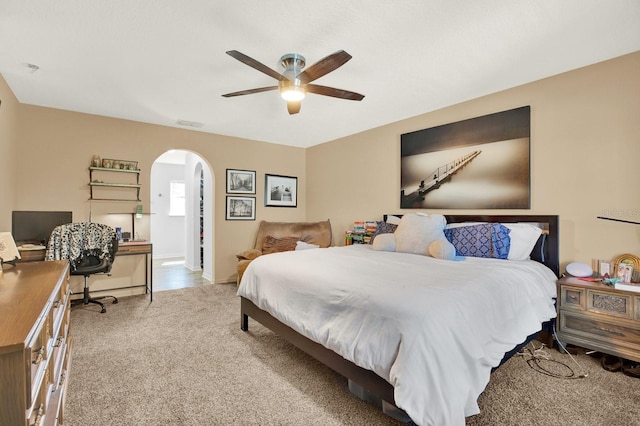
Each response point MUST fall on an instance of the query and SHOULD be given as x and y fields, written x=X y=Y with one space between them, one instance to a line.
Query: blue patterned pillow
x=383 y=228
x=482 y=240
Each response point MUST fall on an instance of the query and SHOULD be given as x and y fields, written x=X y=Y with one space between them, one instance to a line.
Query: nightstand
x=595 y=316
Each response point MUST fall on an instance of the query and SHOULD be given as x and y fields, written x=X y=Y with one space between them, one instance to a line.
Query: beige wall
x=585 y=159
x=8 y=154
x=56 y=147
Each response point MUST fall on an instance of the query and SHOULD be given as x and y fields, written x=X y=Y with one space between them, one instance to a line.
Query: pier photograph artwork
x=479 y=163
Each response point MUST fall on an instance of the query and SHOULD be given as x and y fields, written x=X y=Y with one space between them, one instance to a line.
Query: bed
x=426 y=349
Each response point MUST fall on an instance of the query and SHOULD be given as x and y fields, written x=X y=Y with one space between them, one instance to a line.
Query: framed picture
x=241 y=181
x=624 y=272
x=280 y=191
x=241 y=208
x=477 y=163
x=604 y=267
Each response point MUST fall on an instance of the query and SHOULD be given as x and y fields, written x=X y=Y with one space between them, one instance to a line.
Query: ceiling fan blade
x=256 y=65
x=324 y=66
x=294 y=107
x=332 y=91
x=250 y=91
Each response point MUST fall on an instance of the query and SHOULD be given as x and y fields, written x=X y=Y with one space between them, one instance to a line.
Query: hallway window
x=176 y=200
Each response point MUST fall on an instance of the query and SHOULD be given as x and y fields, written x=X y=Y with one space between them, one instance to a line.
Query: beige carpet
x=183 y=360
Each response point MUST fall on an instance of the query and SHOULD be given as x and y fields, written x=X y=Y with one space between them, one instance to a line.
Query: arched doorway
x=182 y=234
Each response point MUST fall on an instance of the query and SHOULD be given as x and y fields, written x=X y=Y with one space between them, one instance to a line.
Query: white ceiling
x=163 y=61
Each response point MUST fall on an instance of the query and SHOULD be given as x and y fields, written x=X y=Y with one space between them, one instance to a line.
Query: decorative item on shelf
x=109 y=163
x=96 y=161
x=627 y=266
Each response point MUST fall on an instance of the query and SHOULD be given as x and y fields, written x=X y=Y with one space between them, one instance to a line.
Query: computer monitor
x=34 y=227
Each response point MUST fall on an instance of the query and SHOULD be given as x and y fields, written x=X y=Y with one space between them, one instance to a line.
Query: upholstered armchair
x=273 y=237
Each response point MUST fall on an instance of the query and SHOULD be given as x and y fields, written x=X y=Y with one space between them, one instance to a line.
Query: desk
x=130 y=248
x=145 y=248
x=31 y=255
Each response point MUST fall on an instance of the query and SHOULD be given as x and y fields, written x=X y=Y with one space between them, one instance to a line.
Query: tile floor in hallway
x=171 y=274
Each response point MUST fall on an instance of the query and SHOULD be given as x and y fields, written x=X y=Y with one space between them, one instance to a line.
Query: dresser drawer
x=618 y=304
x=36 y=357
x=572 y=297
x=597 y=329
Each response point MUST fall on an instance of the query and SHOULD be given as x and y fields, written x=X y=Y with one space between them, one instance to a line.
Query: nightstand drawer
x=596 y=329
x=572 y=297
x=618 y=304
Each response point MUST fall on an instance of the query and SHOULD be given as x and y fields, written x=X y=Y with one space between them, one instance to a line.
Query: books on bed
x=363 y=231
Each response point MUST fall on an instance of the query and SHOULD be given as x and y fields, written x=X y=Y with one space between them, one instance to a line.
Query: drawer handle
x=58 y=341
x=608 y=330
x=63 y=376
x=56 y=304
x=38 y=359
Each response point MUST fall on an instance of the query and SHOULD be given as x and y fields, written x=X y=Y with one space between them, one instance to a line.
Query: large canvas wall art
x=479 y=163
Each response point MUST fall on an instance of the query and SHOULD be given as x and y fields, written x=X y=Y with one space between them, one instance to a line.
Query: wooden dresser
x=35 y=343
x=599 y=317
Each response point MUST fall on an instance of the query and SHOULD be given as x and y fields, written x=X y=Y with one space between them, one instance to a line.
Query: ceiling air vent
x=189 y=123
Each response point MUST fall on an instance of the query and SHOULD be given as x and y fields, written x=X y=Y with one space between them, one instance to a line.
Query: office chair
x=90 y=249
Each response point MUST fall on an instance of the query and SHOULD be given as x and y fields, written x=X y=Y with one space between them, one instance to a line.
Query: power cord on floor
x=535 y=357
x=584 y=374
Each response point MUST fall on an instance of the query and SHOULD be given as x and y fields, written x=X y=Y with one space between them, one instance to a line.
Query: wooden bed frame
x=546 y=251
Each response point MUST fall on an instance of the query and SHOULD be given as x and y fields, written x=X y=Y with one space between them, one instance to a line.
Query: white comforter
x=432 y=328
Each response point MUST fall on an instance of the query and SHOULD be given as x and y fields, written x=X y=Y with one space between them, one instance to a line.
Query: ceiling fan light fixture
x=292 y=93
x=295 y=81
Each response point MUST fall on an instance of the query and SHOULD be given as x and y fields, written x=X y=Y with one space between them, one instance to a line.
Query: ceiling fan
x=295 y=82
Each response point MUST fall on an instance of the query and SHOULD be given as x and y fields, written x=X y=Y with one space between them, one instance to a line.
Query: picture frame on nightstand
x=624 y=272
x=604 y=268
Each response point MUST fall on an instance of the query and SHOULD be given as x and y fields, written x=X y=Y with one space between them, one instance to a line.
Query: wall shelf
x=94 y=183
x=107 y=169
x=120 y=185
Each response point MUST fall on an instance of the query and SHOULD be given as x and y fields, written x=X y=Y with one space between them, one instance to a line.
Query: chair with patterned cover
x=90 y=248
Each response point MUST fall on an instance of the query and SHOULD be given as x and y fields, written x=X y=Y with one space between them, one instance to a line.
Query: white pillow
x=384 y=242
x=301 y=245
x=417 y=231
x=523 y=239
x=442 y=249
x=394 y=220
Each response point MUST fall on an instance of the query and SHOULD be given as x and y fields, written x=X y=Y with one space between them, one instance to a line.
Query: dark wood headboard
x=546 y=250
